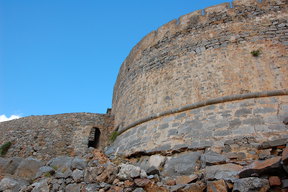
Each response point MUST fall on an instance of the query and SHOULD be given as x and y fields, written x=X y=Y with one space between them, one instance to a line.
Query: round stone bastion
x=201 y=80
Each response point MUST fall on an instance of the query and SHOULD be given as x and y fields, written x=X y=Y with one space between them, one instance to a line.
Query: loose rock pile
x=264 y=169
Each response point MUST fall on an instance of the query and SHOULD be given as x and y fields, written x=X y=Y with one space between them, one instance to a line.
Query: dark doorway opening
x=94 y=137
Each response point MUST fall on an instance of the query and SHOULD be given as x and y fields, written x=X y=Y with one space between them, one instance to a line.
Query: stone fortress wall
x=194 y=83
x=48 y=136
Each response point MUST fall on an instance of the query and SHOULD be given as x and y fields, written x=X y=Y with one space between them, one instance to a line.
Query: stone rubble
x=211 y=170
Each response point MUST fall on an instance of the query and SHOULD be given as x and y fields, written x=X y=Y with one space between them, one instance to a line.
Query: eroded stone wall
x=200 y=57
x=49 y=136
x=262 y=119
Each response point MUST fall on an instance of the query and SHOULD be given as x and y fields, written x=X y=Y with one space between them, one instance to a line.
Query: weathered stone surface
x=185 y=179
x=14 y=185
x=226 y=171
x=212 y=158
x=156 y=161
x=285 y=156
x=127 y=183
x=48 y=136
x=9 y=166
x=152 y=171
x=109 y=174
x=40 y=186
x=142 y=182
x=216 y=186
x=77 y=175
x=284 y=183
x=78 y=163
x=274 y=143
x=91 y=174
x=128 y=171
x=45 y=171
x=194 y=187
x=73 y=188
x=259 y=168
x=285 y=121
x=274 y=181
x=251 y=184
x=92 y=187
x=28 y=168
x=61 y=163
x=152 y=187
x=184 y=164
x=138 y=190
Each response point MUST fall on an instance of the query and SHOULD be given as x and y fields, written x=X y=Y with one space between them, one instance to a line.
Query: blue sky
x=62 y=56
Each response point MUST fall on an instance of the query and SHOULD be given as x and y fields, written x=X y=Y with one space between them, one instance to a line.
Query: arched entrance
x=94 y=137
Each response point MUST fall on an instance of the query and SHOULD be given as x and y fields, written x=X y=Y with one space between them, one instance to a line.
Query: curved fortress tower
x=209 y=77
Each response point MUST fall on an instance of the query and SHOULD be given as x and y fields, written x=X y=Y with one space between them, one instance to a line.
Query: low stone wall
x=52 y=135
x=212 y=125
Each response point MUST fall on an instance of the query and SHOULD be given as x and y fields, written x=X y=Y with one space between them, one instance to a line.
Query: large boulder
x=266 y=167
x=226 y=171
x=216 y=186
x=41 y=186
x=212 y=158
x=62 y=166
x=45 y=171
x=183 y=164
x=128 y=171
x=61 y=163
x=78 y=163
x=251 y=184
x=13 y=185
x=9 y=166
x=28 y=168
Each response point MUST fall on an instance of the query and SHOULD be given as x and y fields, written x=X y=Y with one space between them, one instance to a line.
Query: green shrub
x=256 y=53
x=48 y=174
x=113 y=136
x=4 y=148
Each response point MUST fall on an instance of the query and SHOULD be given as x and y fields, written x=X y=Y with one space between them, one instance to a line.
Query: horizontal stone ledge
x=205 y=103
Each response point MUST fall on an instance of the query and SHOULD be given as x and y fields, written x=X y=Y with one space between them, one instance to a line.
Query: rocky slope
x=240 y=167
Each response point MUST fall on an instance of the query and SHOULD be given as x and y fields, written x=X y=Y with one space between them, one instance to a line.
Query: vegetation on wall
x=113 y=136
x=4 y=148
x=256 y=53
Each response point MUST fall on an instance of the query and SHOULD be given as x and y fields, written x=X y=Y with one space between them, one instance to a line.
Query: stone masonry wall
x=200 y=57
x=49 y=136
x=262 y=119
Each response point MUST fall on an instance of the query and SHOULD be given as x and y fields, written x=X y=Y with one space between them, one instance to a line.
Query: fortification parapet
x=220 y=56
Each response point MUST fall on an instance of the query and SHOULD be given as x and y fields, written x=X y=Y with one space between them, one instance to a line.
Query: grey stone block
x=175 y=124
x=161 y=148
x=212 y=158
x=225 y=171
x=184 y=164
x=164 y=126
x=277 y=127
x=264 y=110
x=222 y=133
x=172 y=132
x=234 y=123
x=253 y=121
x=181 y=116
x=243 y=112
x=251 y=184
